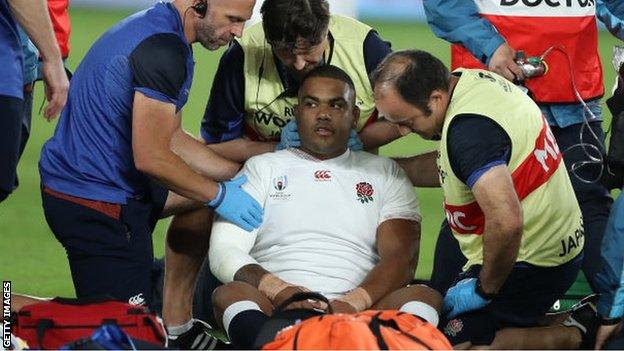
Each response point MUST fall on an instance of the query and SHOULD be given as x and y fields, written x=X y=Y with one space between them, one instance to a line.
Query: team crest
x=364 y=192
x=280 y=183
x=454 y=327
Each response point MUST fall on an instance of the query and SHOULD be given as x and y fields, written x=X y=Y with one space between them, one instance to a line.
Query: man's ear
x=356 y=116
x=435 y=99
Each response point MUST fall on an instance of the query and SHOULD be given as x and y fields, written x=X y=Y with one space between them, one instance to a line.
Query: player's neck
x=323 y=156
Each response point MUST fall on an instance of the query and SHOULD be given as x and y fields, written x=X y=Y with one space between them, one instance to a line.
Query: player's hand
x=463 y=297
x=605 y=332
x=339 y=306
x=502 y=62
x=236 y=206
x=290 y=136
x=56 y=87
x=286 y=294
x=355 y=144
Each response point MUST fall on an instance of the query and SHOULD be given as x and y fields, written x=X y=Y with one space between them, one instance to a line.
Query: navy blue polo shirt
x=90 y=155
x=225 y=111
x=11 y=78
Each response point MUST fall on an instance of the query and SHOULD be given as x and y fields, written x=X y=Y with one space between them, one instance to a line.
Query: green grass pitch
x=35 y=262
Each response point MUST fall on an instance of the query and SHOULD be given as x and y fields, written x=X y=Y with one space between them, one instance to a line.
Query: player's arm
x=397 y=244
x=230 y=247
x=422 y=169
x=496 y=195
x=33 y=16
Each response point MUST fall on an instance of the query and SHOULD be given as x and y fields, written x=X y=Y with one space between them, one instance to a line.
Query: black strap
x=301 y=297
x=42 y=326
x=375 y=327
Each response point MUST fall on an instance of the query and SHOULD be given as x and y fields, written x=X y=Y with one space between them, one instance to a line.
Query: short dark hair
x=286 y=20
x=333 y=72
x=415 y=74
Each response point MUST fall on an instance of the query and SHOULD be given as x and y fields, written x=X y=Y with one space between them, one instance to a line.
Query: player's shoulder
x=269 y=159
x=369 y=161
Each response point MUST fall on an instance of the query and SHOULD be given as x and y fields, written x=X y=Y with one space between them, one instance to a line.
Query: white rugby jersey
x=320 y=216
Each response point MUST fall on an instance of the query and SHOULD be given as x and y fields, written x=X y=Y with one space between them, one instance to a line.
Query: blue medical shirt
x=11 y=81
x=90 y=155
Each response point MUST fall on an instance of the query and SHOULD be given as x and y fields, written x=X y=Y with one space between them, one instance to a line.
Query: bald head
x=413 y=74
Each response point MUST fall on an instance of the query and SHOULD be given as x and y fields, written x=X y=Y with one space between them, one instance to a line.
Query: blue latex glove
x=463 y=297
x=290 y=136
x=235 y=205
x=355 y=144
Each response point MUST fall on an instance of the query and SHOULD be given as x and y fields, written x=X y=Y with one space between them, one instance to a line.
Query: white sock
x=176 y=330
x=234 y=309
x=422 y=310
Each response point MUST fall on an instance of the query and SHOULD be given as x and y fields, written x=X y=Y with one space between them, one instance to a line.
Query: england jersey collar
x=304 y=155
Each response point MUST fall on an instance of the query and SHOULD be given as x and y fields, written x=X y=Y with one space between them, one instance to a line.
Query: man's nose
x=299 y=63
x=323 y=113
x=237 y=29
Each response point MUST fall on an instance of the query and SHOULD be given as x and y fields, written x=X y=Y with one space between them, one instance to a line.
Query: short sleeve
x=399 y=199
x=255 y=169
x=375 y=50
x=158 y=67
x=471 y=156
x=225 y=110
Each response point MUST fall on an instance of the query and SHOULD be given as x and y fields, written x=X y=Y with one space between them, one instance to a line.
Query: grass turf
x=35 y=262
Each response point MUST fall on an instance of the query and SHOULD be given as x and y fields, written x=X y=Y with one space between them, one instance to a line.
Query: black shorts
x=525 y=297
x=11 y=114
x=109 y=246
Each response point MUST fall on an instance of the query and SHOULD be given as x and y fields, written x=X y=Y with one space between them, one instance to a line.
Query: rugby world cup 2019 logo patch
x=364 y=192
x=280 y=183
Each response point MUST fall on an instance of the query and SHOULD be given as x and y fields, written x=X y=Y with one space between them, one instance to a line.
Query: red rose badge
x=364 y=192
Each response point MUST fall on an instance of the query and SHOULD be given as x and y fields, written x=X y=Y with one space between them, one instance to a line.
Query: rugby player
x=342 y=223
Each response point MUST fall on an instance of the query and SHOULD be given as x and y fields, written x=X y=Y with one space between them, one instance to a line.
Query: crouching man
x=342 y=223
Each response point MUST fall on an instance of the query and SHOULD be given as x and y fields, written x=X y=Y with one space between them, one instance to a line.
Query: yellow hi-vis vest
x=553 y=227
x=267 y=110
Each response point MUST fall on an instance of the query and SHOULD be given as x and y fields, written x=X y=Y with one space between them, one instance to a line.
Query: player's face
x=407 y=117
x=301 y=58
x=225 y=19
x=325 y=116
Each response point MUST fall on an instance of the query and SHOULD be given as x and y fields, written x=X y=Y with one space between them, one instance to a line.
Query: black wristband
x=483 y=294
